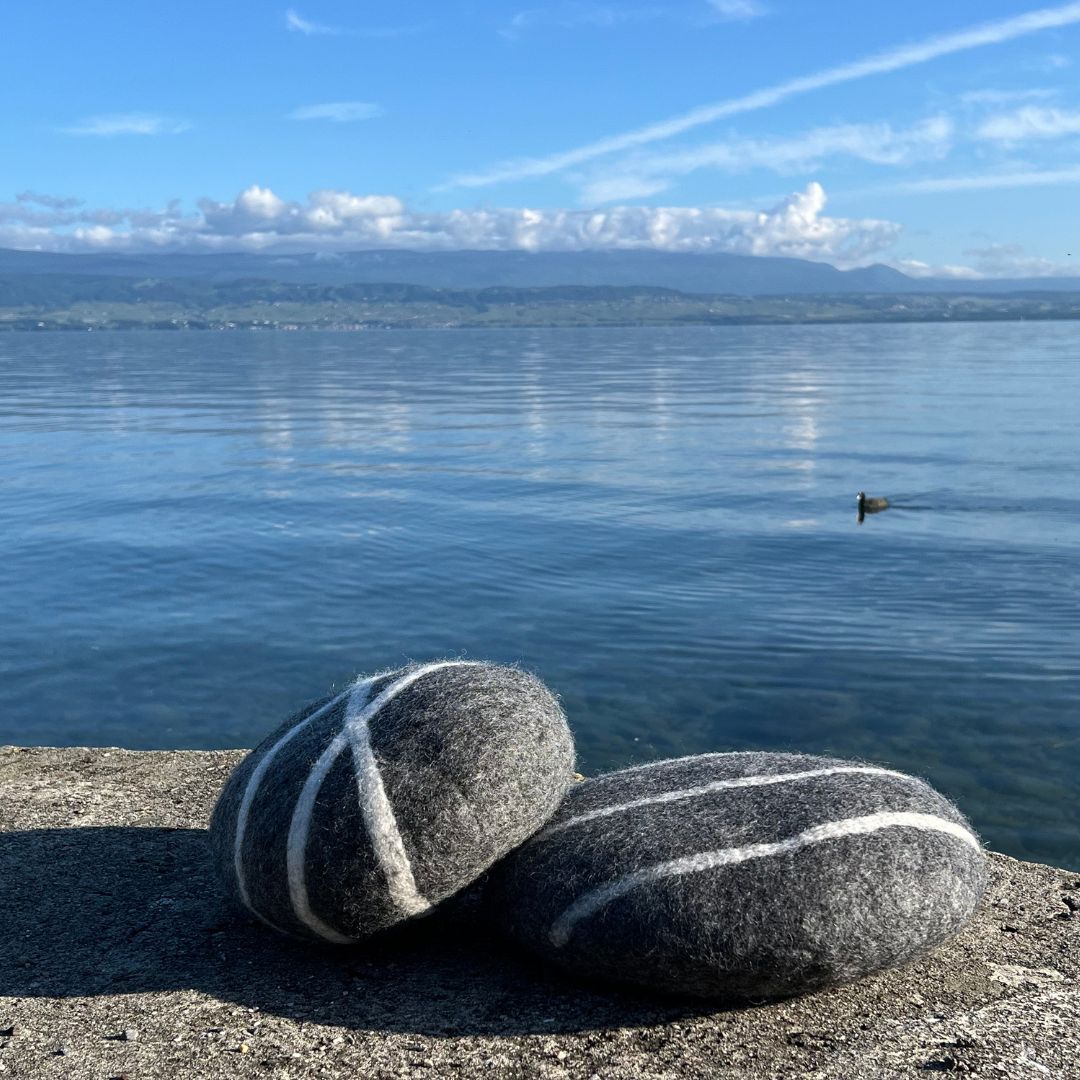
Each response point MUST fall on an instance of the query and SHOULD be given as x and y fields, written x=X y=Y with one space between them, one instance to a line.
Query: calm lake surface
x=200 y=533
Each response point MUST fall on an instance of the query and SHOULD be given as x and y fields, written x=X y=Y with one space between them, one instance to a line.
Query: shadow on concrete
x=93 y=911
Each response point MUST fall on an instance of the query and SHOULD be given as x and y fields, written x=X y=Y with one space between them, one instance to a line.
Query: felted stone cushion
x=742 y=875
x=370 y=807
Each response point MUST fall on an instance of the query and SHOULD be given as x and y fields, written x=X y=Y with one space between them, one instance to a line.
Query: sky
x=939 y=138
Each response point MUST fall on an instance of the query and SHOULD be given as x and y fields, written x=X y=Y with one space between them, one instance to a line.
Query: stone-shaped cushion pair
x=371 y=807
x=742 y=875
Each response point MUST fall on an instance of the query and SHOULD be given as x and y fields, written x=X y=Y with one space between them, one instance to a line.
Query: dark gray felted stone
x=358 y=812
x=672 y=877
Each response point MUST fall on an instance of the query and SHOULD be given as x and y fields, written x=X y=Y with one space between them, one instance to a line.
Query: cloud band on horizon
x=259 y=220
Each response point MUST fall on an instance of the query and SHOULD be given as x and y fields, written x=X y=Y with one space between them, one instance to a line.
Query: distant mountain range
x=733 y=275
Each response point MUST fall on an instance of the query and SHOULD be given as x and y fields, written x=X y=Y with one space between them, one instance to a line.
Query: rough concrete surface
x=119 y=958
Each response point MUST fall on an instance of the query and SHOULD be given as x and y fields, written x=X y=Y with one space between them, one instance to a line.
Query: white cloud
x=565 y=16
x=588 y=14
x=995 y=261
x=621 y=185
x=298 y=24
x=990 y=181
x=1030 y=122
x=328 y=222
x=42 y=216
x=903 y=56
x=1006 y=97
x=738 y=10
x=339 y=112
x=916 y=268
x=128 y=124
x=53 y=202
x=1012 y=260
x=879 y=144
x=1055 y=62
x=260 y=220
x=93 y=236
x=574 y=14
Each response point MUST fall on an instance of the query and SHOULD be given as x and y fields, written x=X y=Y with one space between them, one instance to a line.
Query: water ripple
x=201 y=532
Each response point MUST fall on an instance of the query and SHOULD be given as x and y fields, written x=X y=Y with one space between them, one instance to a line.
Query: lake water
x=200 y=533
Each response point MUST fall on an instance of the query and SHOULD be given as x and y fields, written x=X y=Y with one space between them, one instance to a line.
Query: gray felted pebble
x=368 y=808
x=742 y=876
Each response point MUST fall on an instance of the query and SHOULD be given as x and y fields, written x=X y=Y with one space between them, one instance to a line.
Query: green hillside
x=58 y=301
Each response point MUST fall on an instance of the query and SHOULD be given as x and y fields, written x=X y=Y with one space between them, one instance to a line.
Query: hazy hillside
x=737 y=274
x=45 y=291
x=53 y=301
x=732 y=275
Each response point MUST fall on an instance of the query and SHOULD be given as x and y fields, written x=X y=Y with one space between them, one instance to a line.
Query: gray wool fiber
x=368 y=808
x=741 y=876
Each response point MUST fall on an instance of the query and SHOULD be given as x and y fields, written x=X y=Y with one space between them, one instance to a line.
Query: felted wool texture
x=742 y=875
x=368 y=808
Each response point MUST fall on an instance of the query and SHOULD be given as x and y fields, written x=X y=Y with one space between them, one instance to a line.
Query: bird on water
x=870 y=506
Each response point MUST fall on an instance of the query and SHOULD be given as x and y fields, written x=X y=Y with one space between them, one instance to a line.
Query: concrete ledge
x=118 y=958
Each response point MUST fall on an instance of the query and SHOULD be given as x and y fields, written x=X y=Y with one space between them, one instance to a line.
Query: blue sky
x=935 y=137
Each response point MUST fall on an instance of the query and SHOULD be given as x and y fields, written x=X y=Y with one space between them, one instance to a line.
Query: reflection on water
x=202 y=532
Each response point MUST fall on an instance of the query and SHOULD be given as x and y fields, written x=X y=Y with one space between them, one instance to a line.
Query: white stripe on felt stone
x=300 y=826
x=596 y=899
x=378 y=815
x=252 y=788
x=678 y=761
x=758 y=780
x=375 y=808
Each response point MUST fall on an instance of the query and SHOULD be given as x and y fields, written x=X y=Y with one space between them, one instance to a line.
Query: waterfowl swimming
x=870 y=506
